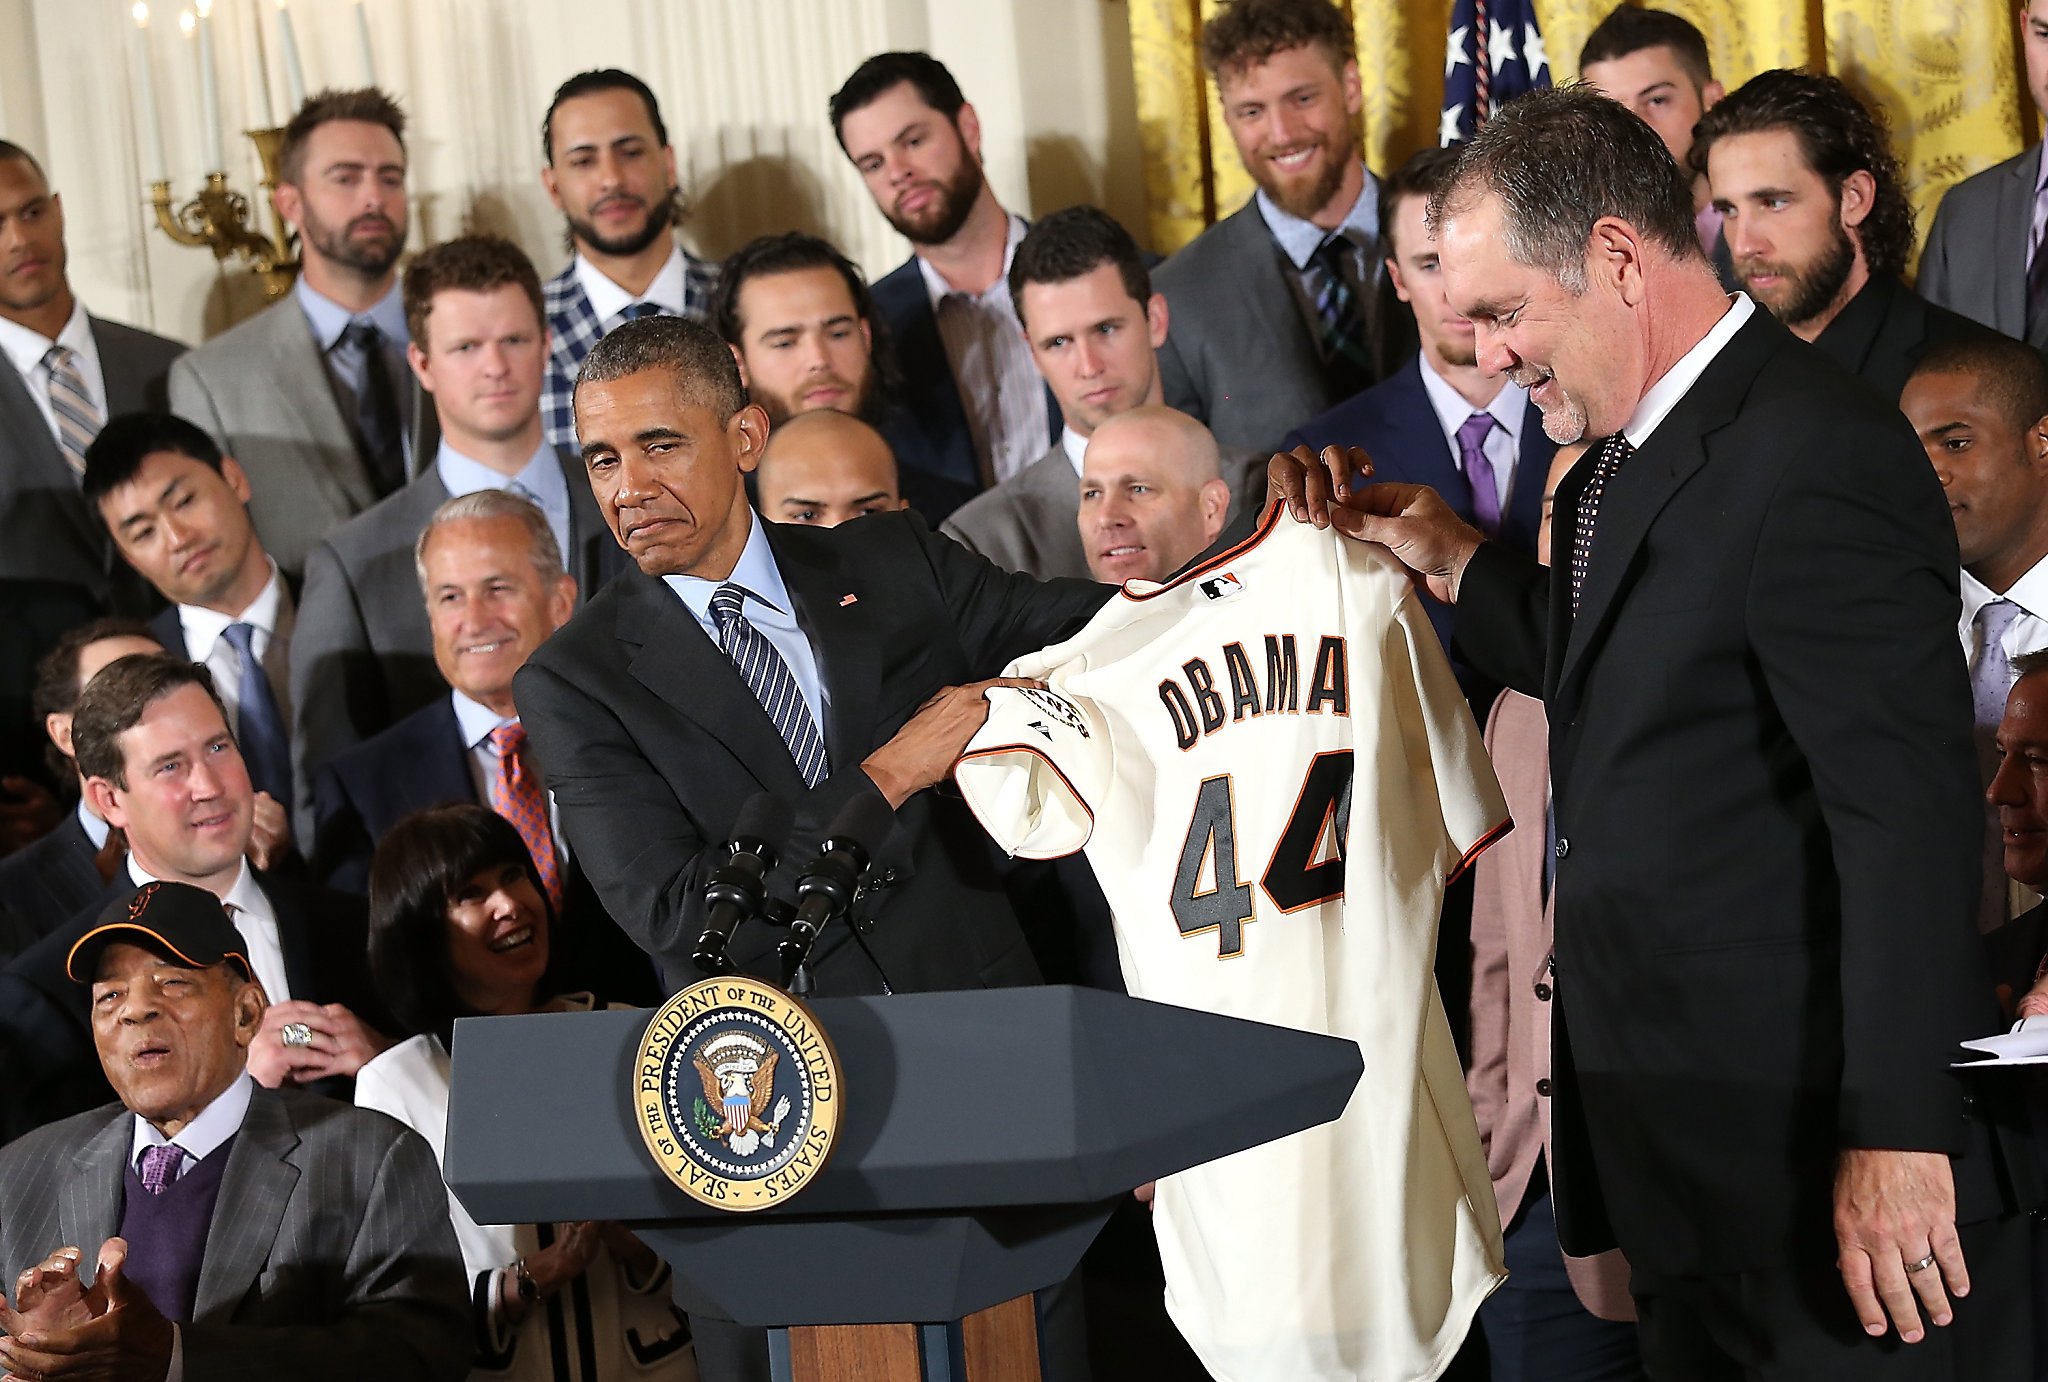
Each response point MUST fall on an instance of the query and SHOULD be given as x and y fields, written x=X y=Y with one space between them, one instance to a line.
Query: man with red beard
x=313 y=397
x=1814 y=209
x=1272 y=307
x=611 y=172
x=969 y=381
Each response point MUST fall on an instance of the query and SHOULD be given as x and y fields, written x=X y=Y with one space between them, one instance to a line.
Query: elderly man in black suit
x=161 y=764
x=232 y=1231
x=1765 y=801
x=66 y=373
x=65 y=872
x=1815 y=213
x=651 y=714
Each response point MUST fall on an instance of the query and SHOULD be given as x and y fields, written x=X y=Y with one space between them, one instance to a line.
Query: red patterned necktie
x=517 y=796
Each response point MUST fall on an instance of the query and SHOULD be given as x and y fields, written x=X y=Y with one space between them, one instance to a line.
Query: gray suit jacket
x=1028 y=522
x=330 y=1255
x=263 y=392
x=363 y=654
x=1238 y=354
x=46 y=531
x=1975 y=262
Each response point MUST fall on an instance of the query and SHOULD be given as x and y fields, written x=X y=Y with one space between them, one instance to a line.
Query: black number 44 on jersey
x=1301 y=873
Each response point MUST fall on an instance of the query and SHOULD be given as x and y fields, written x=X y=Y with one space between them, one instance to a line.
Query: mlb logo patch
x=1220 y=586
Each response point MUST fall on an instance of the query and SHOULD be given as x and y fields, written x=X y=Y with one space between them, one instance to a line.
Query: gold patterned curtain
x=1945 y=72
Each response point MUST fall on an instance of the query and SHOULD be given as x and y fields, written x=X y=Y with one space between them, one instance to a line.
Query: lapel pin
x=845 y=600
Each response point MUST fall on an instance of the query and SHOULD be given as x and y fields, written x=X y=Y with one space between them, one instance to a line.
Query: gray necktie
x=1990 y=683
x=78 y=420
x=770 y=679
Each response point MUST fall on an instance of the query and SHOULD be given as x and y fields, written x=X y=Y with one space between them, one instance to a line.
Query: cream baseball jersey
x=1274 y=774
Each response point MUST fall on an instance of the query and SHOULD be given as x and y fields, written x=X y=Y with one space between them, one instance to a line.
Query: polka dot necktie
x=1613 y=452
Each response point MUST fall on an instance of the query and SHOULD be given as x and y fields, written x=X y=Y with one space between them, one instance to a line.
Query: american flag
x=1494 y=54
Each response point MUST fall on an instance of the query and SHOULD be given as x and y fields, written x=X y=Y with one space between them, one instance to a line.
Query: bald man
x=1152 y=494
x=823 y=468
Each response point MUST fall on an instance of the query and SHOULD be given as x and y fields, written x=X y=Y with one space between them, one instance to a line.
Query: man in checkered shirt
x=612 y=174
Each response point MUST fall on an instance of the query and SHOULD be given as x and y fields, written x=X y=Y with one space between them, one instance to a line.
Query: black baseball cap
x=176 y=920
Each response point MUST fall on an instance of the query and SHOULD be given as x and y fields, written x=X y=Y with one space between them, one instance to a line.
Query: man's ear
x=249 y=1006
x=749 y=429
x=101 y=793
x=1859 y=198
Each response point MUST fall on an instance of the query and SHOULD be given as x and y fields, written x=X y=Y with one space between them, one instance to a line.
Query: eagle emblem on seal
x=738 y=1074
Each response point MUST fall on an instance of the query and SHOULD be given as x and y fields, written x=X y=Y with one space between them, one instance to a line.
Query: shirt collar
x=1298 y=238
x=245 y=894
x=1656 y=404
x=203 y=627
x=1075 y=445
x=1506 y=406
x=96 y=830
x=329 y=318
x=608 y=299
x=203 y=1136
x=26 y=348
x=541 y=476
x=475 y=719
x=755 y=570
x=2029 y=592
x=937 y=290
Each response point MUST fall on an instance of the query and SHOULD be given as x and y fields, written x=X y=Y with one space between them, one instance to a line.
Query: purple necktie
x=1479 y=471
x=159 y=1164
x=1990 y=683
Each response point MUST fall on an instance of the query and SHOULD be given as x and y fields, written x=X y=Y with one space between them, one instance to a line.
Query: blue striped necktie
x=770 y=679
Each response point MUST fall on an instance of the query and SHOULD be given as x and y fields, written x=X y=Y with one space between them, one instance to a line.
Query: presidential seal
x=738 y=1092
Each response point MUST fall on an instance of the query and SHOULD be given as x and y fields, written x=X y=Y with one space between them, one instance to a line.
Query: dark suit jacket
x=1881 y=333
x=363 y=657
x=46 y=531
x=1767 y=817
x=33 y=616
x=330 y=1255
x=1239 y=354
x=652 y=743
x=46 y=1020
x=1975 y=261
x=1394 y=422
x=53 y=880
x=421 y=762
x=930 y=435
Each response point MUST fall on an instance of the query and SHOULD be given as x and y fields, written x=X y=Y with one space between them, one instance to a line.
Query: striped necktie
x=517 y=796
x=770 y=679
x=78 y=417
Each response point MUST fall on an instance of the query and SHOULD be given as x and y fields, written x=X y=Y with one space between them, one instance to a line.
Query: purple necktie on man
x=1478 y=470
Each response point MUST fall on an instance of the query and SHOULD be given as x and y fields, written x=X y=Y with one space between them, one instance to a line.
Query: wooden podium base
x=999 y=1344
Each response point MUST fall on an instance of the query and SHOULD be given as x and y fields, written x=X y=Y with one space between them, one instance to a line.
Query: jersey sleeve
x=1037 y=771
x=1437 y=720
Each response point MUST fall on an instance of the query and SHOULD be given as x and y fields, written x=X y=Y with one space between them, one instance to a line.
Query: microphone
x=738 y=888
x=825 y=891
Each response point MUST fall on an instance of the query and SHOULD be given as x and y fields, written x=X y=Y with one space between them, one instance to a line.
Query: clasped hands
x=59 y=1328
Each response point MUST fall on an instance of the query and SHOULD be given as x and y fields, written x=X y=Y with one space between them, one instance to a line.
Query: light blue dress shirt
x=1298 y=238
x=768 y=608
x=329 y=319
x=540 y=481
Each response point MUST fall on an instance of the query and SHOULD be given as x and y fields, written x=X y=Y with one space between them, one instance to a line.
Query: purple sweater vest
x=167 y=1233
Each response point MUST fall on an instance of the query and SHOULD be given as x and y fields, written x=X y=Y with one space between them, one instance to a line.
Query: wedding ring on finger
x=299 y=1034
x=1922 y=1265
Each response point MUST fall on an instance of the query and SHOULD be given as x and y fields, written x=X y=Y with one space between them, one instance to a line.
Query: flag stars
x=1501 y=50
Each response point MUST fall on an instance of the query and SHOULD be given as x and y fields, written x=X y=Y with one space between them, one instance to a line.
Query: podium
x=985 y=1138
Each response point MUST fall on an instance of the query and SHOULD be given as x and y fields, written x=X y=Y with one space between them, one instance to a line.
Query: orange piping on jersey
x=1487 y=840
x=1082 y=801
x=1267 y=523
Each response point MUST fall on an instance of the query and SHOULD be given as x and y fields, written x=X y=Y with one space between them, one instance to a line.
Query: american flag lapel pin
x=845 y=600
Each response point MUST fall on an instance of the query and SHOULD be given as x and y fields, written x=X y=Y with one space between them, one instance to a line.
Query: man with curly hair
x=1814 y=208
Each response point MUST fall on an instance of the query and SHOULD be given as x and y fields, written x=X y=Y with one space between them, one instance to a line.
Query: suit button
x=1542 y=992
x=1543 y=1087
x=883 y=879
x=1564 y=847
x=1969 y=1103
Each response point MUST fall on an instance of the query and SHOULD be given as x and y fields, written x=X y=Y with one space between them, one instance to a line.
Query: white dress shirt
x=768 y=609
x=25 y=350
x=253 y=917
x=1661 y=397
x=1503 y=445
x=1075 y=445
x=539 y=480
x=608 y=299
x=203 y=629
x=1000 y=387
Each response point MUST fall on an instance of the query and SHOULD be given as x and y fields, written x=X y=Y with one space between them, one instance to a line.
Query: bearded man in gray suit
x=232 y=1231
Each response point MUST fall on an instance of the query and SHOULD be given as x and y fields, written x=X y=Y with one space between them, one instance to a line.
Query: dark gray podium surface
x=984 y=1138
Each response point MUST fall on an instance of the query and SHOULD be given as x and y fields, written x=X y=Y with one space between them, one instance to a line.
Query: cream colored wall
x=743 y=84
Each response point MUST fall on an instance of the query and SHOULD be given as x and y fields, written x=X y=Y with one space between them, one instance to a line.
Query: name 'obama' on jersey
x=1274 y=774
